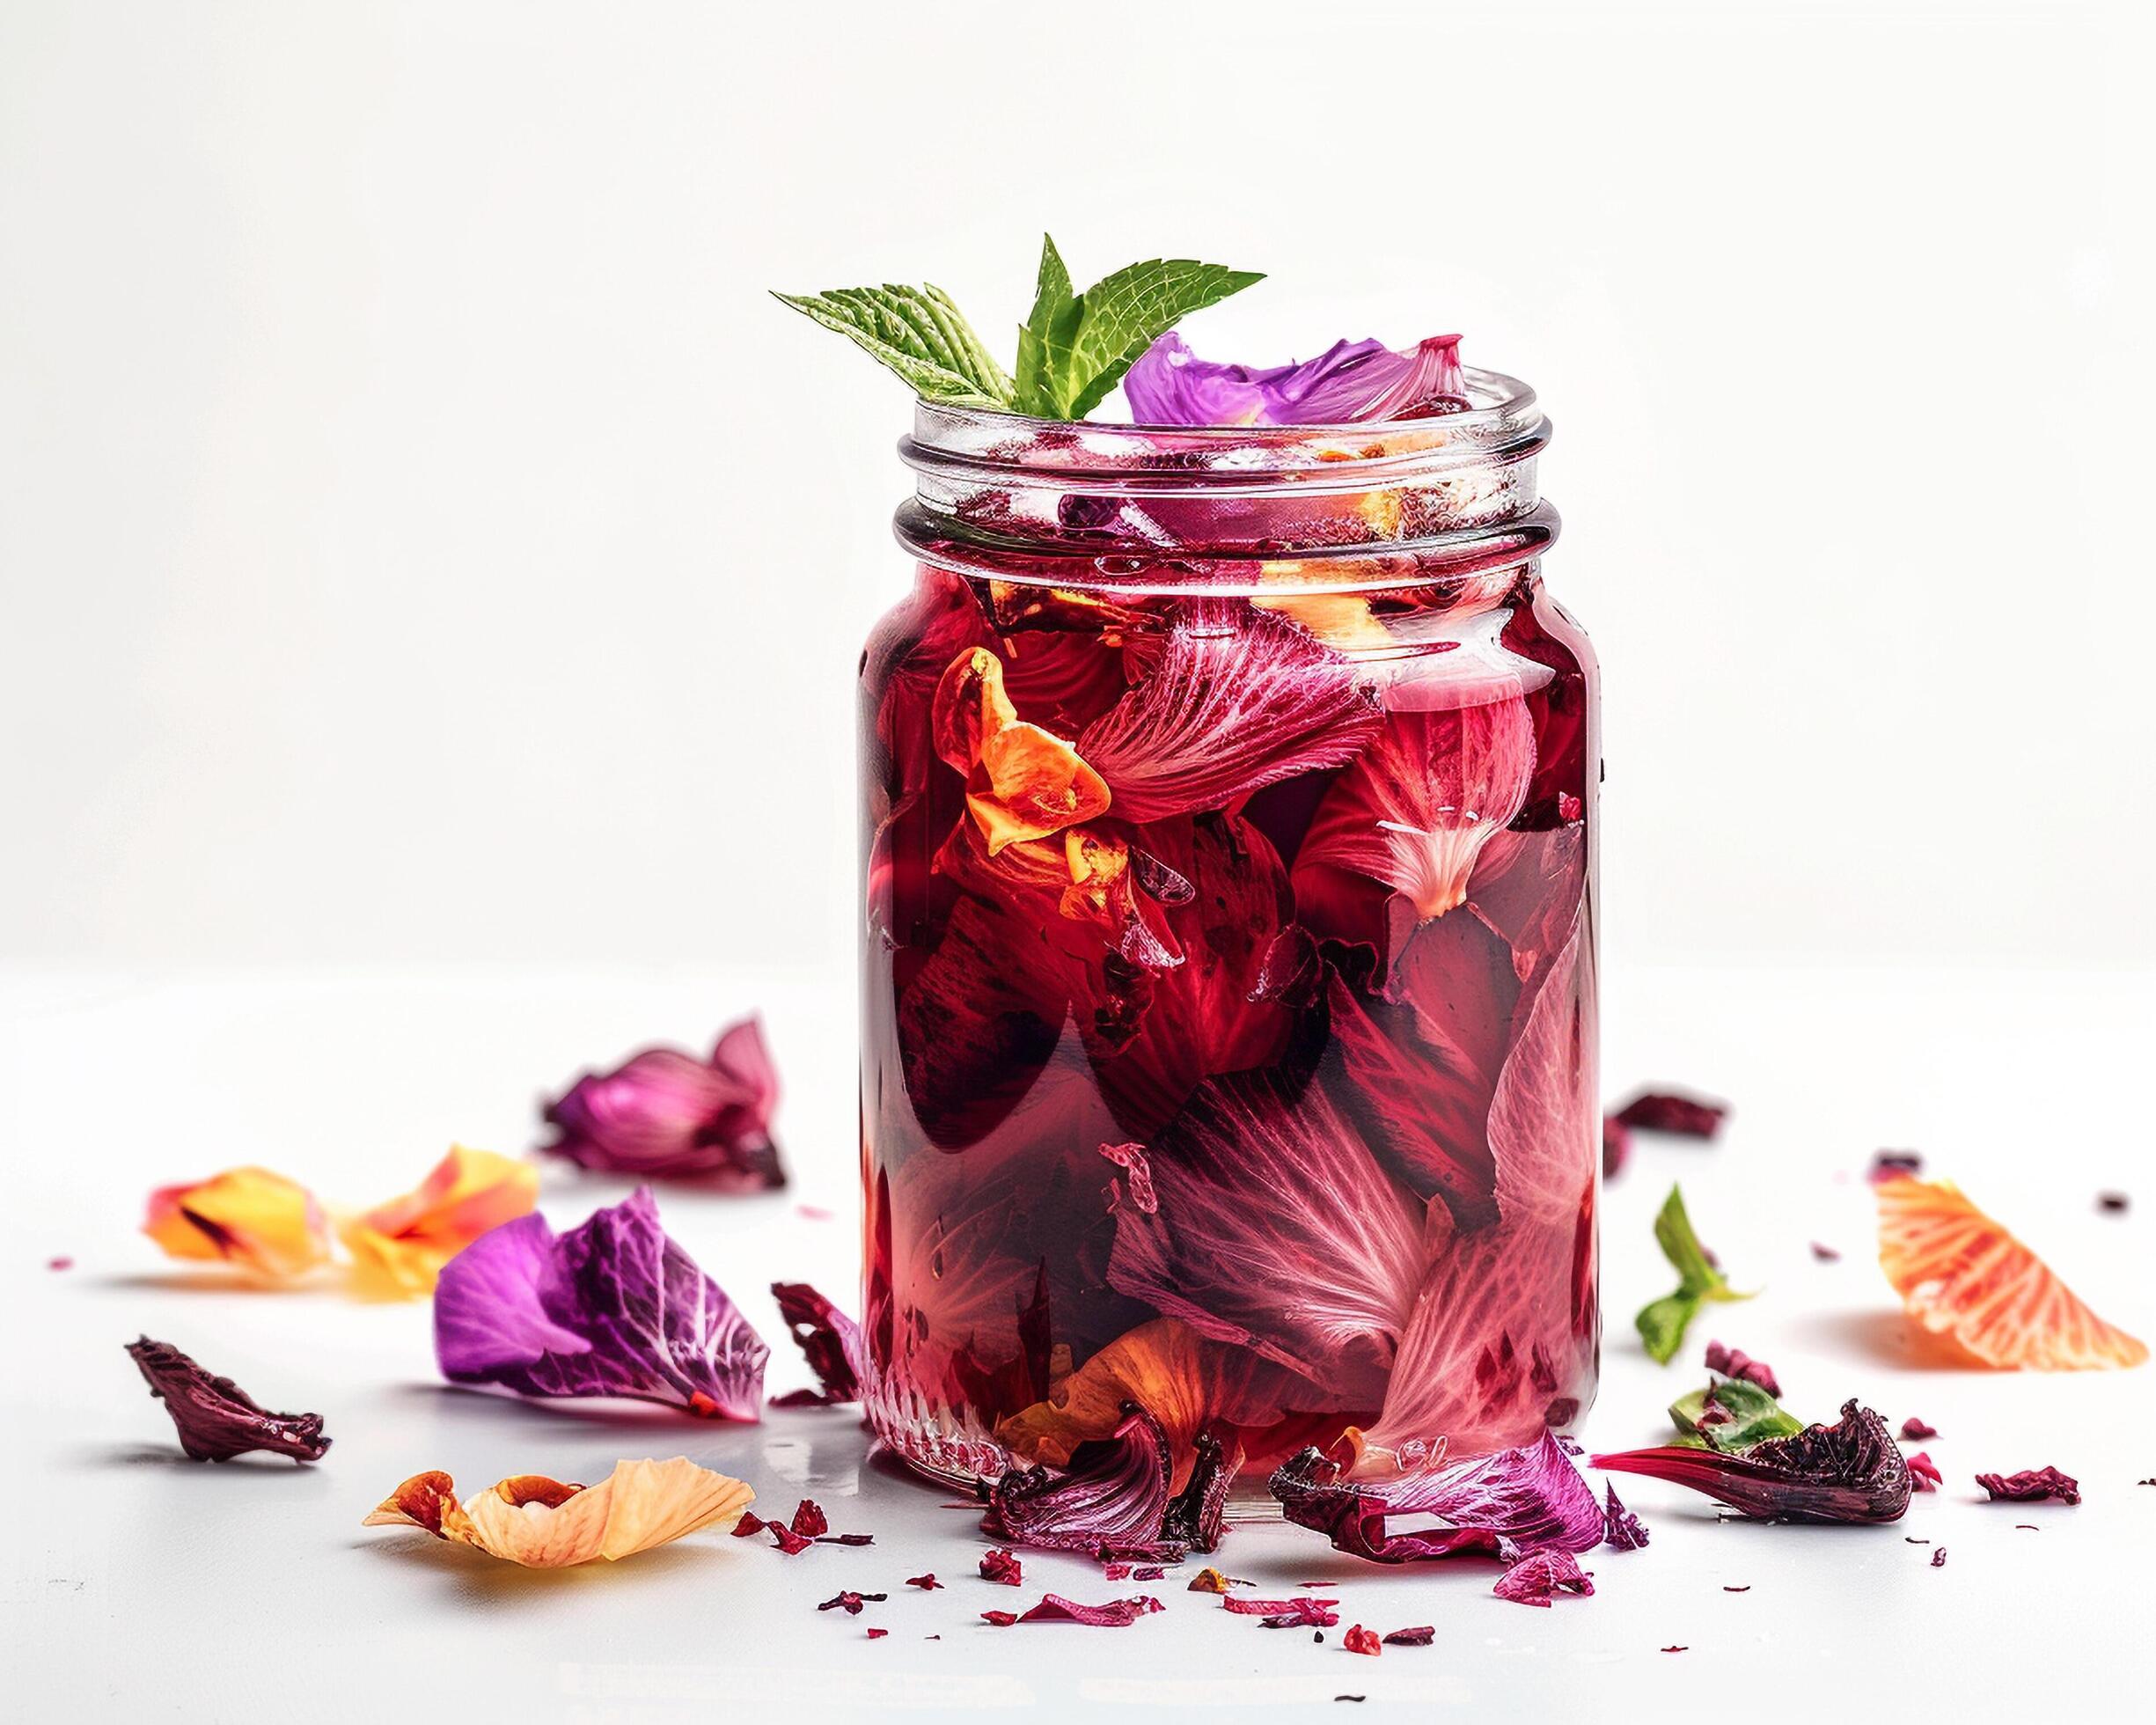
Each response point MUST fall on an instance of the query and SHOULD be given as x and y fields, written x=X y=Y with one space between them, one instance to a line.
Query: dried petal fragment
x=1622 y=1531
x=850 y=1601
x=1053 y=1607
x=1894 y=1165
x=1114 y=1494
x=1002 y=1566
x=1924 y=1475
x=1735 y=1362
x=927 y=1583
x=1849 y=1471
x=1672 y=1111
x=831 y=1341
x=1359 y=1640
x=809 y=1519
x=613 y=1308
x=1236 y=699
x=216 y=1419
x=1300 y=1613
x=1939 y=1558
x=1211 y=1580
x=2031 y=1486
x=1915 y=1430
x=1198 y=1515
x=544 y=1524
x=1616 y=1146
x=1540 y=1576
x=1421 y=1635
x=250 y=1217
x=1961 y=1275
x=787 y=1540
x=402 y=1246
x=1525 y=1498
x=665 y=1114
x=1132 y=1158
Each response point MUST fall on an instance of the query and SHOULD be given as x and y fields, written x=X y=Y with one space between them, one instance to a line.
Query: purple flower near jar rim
x=1350 y=382
x=664 y=1114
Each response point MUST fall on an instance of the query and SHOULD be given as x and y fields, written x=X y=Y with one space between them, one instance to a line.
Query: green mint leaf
x=1662 y=1323
x=1117 y=319
x=916 y=332
x=1755 y=1417
x=1045 y=338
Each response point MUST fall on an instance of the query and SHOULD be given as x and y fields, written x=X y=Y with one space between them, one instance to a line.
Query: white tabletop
x=138 y=1584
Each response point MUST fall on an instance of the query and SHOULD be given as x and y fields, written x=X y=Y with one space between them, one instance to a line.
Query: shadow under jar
x=1228 y=988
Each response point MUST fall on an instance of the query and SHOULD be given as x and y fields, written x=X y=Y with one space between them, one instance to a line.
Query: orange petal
x=1344 y=620
x=1030 y=783
x=1963 y=1276
x=261 y=1222
x=403 y=1244
x=543 y=1524
x=970 y=707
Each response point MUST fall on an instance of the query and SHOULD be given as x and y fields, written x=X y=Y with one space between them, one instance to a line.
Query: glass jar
x=1228 y=988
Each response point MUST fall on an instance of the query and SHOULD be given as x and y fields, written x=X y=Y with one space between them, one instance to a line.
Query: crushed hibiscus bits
x=926 y=1583
x=1938 y=1557
x=1419 y=1636
x=809 y=1521
x=1002 y=1566
x=1915 y=1431
x=2112 y=1203
x=1735 y=1362
x=849 y=1602
x=1300 y=1613
x=1053 y=1607
x=1668 y=1111
x=1622 y=1531
x=1359 y=1640
x=1541 y=1576
x=878 y=1634
x=1849 y=1471
x=750 y=1524
x=2031 y=1486
x=216 y=1419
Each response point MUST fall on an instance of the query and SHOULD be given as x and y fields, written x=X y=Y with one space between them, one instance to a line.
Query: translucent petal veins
x=613 y=1308
x=1228 y=707
x=1114 y=1495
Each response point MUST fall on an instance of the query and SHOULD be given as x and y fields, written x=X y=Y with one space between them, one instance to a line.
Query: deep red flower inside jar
x=1228 y=960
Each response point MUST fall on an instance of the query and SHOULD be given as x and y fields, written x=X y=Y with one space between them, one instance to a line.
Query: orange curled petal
x=1032 y=783
x=403 y=1244
x=251 y=1217
x=970 y=707
x=543 y=1524
x=1963 y=1276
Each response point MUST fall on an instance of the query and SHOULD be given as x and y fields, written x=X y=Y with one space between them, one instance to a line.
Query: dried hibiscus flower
x=1849 y=1471
x=251 y=1218
x=1517 y=1499
x=1540 y=1576
x=402 y=1246
x=1963 y=1276
x=2031 y=1486
x=1735 y=1362
x=613 y=1308
x=216 y=1419
x=1667 y=1111
x=1053 y=1607
x=544 y=1524
x=1114 y=1497
x=664 y=1114
x=831 y=1341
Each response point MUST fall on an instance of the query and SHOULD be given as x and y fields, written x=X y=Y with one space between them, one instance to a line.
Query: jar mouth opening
x=1503 y=423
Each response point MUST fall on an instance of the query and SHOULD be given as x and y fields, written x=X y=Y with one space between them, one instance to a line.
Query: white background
x=423 y=542
x=431 y=577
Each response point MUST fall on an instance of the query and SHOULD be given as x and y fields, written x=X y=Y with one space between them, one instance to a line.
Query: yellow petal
x=403 y=1244
x=260 y=1221
x=543 y=1524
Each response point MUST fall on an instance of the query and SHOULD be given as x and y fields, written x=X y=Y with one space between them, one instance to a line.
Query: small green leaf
x=1045 y=338
x=1122 y=315
x=916 y=332
x=1755 y=1417
x=1662 y=1324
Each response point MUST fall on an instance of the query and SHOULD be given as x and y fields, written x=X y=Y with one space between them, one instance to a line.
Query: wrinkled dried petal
x=787 y=1540
x=1198 y=1515
x=2030 y=1486
x=1114 y=1494
x=612 y=1307
x=1915 y=1430
x=544 y=1524
x=402 y=1246
x=1540 y=1576
x=1735 y=1362
x=1419 y=1636
x=1669 y=1110
x=216 y=1419
x=850 y=1601
x=1002 y=1566
x=1359 y=1640
x=665 y=1114
x=1849 y=1471
x=1132 y=1158
x=926 y=1583
x=255 y=1220
x=1303 y=1612
x=1939 y=1558
x=1524 y=1498
x=1963 y=1276
x=1053 y=1607
x=1622 y=1531
x=1924 y=1475
x=1616 y=1146
x=809 y=1520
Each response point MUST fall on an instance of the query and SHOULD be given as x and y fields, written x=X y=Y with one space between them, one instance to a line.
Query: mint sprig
x=1073 y=348
x=1662 y=1323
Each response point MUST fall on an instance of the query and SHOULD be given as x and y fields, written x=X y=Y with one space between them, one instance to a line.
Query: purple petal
x=1350 y=381
x=613 y=1308
x=665 y=1114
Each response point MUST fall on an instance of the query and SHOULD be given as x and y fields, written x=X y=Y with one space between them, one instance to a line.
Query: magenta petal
x=1517 y=1499
x=830 y=1339
x=1053 y=1607
x=613 y=1308
x=664 y=1114
x=1114 y=1494
x=1350 y=381
x=1238 y=699
x=1277 y=1229
x=1540 y=1576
